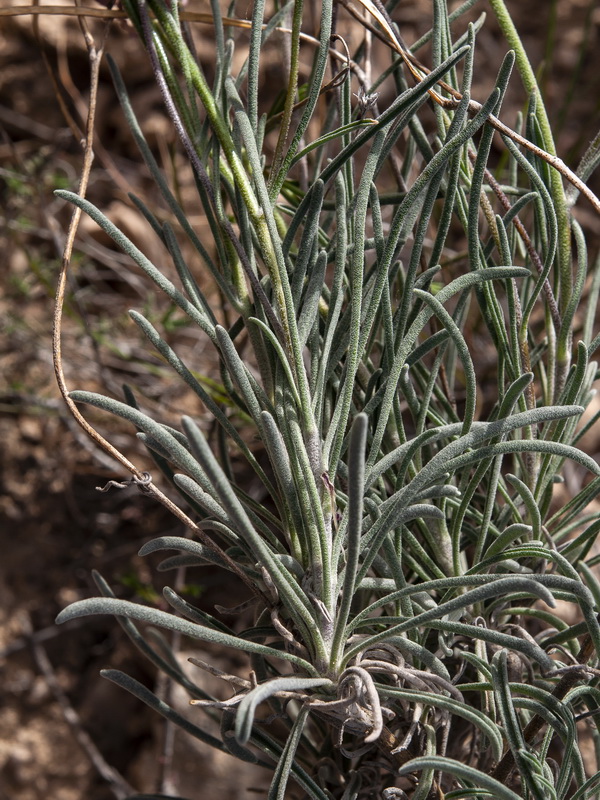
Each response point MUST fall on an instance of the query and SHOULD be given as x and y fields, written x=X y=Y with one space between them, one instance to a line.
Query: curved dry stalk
x=95 y=57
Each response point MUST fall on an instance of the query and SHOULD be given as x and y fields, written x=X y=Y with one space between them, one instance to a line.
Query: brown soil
x=54 y=526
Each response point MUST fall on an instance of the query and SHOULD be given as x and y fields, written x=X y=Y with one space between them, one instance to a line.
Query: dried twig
x=33 y=637
x=418 y=71
x=119 y=786
x=95 y=56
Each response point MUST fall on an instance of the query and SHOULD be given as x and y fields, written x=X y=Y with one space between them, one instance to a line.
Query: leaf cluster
x=408 y=549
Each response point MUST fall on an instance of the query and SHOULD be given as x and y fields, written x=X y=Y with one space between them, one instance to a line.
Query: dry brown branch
x=118 y=785
x=419 y=71
x=415 y=67
x=108 y=14
x=95 y=57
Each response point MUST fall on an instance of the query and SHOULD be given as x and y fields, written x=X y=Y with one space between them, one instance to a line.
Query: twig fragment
x=118 y=785
x=418 y=71
x=95 y=57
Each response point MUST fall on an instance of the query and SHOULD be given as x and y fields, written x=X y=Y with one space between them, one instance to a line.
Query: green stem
x=320 y=65
x=218 y=124
x=556 y=185
x=290 y=97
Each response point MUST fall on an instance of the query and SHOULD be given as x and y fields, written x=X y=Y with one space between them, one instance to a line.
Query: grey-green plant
x=418 y=340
